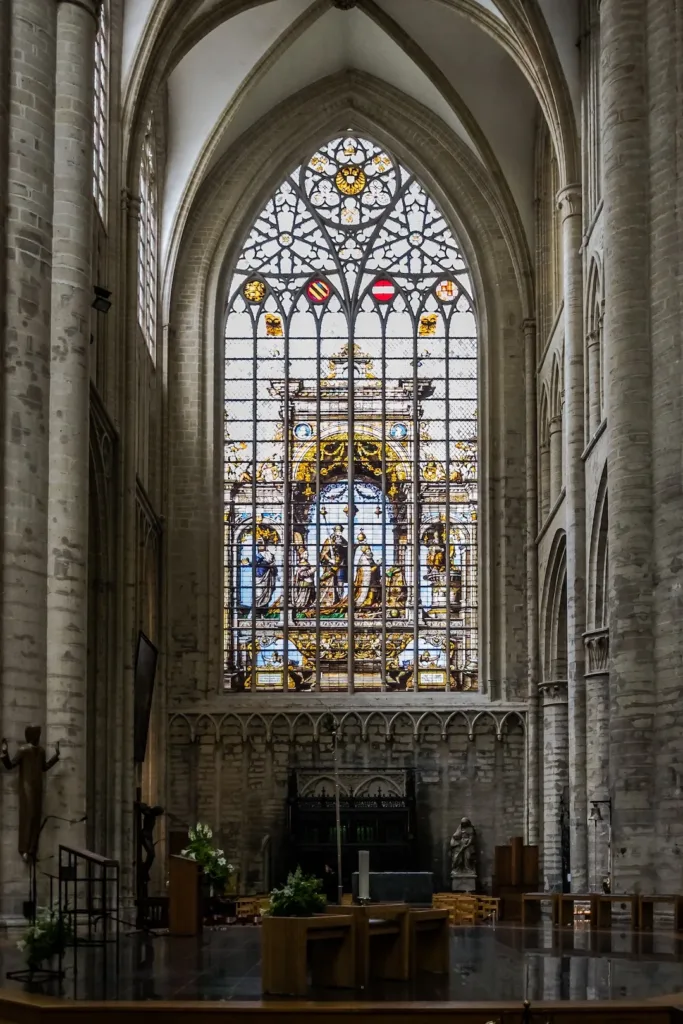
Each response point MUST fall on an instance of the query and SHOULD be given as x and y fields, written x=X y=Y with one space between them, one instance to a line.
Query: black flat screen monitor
x=146 y=655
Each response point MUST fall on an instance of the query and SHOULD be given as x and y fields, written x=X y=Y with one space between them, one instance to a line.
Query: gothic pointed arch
x=223 y=213
x=351 y=452
x=554 y=612
x=597 y=605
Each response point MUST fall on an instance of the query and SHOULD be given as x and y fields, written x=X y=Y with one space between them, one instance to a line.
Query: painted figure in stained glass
x=303 y=589
x=367 y=583
x=334 y=562
x=266 y=577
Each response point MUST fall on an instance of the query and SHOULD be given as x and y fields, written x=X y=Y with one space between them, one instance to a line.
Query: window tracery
x=148 y=240
x=101 y=111
x=351 y=437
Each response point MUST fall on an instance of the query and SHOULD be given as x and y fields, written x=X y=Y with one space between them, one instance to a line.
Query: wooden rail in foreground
x=26 y=1009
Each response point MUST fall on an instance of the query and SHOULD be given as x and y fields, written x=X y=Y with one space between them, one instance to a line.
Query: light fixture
x=596 y=813
x=101 y=302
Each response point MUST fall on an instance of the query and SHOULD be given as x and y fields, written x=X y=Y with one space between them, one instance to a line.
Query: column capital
x=568 y=201
x=596 y=643
x=91 y=7
x=553 y=691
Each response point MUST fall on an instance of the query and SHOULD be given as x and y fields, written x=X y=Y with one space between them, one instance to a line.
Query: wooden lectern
x=185 y=912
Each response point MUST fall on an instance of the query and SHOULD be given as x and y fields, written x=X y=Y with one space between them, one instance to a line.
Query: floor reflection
x=504 y=962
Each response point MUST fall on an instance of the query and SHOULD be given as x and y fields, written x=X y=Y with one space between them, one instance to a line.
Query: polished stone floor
x=503 y=962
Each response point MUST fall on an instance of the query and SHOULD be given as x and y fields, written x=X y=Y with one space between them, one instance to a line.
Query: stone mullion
x=597 y=753
x=624 y=105
x=67 y=591
x=555 y=778
x=25 y=402
x=569 y=202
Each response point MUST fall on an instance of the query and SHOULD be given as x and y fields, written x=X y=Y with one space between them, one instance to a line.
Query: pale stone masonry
x=67 y=541
x=579 y=300
x=26 y=398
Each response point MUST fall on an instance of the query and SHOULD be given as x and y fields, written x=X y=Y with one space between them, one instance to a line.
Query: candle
x=363 y=875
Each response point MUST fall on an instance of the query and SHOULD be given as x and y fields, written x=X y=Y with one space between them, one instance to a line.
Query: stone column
x=627 y=352
x=4 y=143
x=555 y=778
x=67 y=597
x=569 y=203
x=555 y=458
x=25 y=401
x=594 y=356
x=532 y=739
x=665 y=65
x=597 y=753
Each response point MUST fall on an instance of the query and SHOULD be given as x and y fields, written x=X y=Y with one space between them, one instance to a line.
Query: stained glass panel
x=351 y=437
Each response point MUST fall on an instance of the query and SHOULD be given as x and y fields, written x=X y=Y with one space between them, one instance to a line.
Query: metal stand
x=89 y=893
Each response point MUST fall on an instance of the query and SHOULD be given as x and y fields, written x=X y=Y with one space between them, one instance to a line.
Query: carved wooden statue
x=32 y=763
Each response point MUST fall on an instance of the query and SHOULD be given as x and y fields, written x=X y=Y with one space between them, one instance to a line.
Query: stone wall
x=232 y=772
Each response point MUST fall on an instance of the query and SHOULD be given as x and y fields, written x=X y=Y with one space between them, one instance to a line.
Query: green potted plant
x=215 y=867
x=301 y=896
x=45 y=938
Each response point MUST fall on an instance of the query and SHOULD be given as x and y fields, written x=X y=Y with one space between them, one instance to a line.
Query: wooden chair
x=487 y=908
x=247 y=907
x=465 y=911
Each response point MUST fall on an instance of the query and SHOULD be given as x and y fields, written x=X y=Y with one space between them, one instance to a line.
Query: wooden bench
x=429 y=941
x=382 y=941
x=646 y=911
x=531 y=906
x=601 y=909
x=290 y=945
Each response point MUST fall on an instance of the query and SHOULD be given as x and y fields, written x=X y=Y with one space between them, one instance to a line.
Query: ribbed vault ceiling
x=234 y=65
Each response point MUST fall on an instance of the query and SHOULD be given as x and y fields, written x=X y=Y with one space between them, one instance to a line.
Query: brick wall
x=235 y=776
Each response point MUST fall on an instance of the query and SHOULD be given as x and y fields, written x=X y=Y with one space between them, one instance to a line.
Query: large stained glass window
x=351 y=437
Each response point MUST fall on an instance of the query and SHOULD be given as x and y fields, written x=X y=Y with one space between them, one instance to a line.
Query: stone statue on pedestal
x=32 y=763
x=463 y=848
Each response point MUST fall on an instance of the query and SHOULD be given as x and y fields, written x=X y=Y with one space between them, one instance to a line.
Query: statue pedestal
x=463 y=882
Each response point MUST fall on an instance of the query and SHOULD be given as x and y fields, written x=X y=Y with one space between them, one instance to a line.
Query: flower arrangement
x=46 y=937
x=302 y=896
x=212 y=861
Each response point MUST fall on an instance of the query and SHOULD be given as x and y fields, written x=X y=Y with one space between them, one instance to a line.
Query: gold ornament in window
x=382 y=162
x=428 y=323
x=318 y=162
x=350 y=180
x=274 y=325
x=254 y=291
